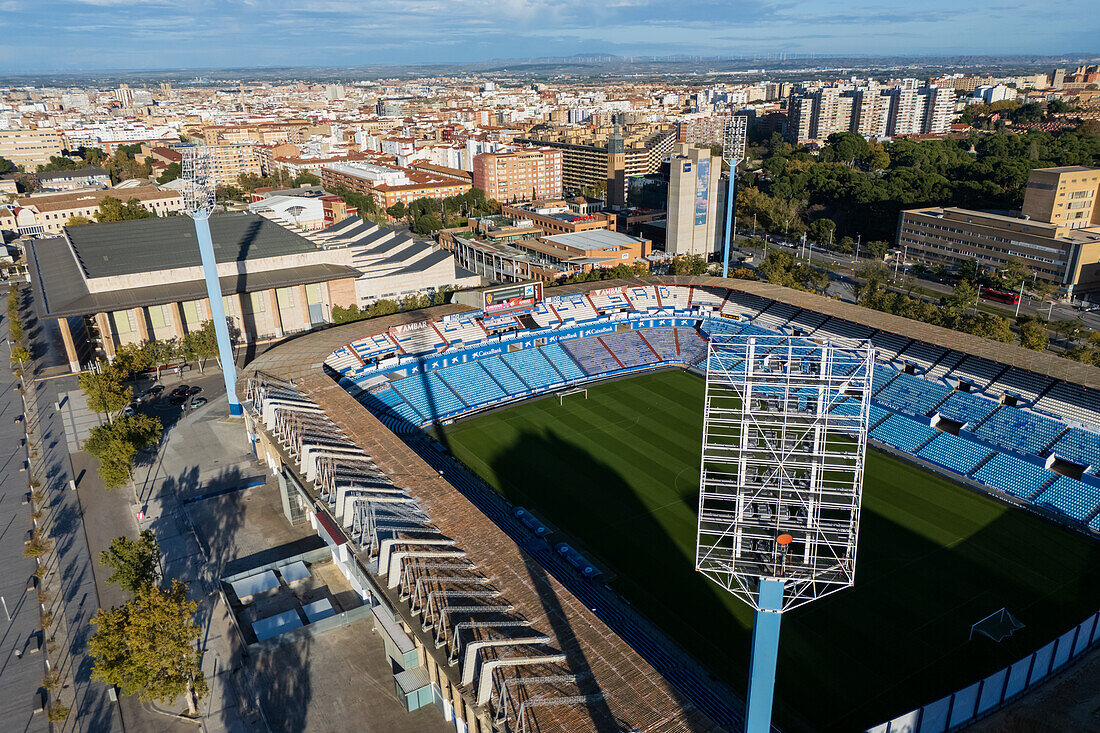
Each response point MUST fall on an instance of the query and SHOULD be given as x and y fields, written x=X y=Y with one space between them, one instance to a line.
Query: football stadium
x=513 y=481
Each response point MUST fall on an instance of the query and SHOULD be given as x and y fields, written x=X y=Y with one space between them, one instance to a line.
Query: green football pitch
x=618 y=475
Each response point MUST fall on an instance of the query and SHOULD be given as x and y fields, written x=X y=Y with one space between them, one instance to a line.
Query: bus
x=1001 y=296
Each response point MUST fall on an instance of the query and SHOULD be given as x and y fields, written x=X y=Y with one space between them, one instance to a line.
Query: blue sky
x=48 y=35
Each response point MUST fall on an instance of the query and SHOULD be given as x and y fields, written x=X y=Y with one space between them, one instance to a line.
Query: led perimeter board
x=510 y=300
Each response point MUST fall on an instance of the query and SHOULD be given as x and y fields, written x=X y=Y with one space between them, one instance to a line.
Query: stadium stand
x=707 y=297
x=462 y=332
x=843 y=329
x=574 y=309
x=1080 y=447
x=1013 y=476
x=889 y=345
x=629 y=348
x=979 y=373
x=912 y=395
x=806 y=322
x=875 y=415
x=776 y=315
x=966 y=408
x=882 y=376
x=504 y=376
x=744 y=305
x=561 y=362
x=533 y=368
x=544 y=316
x=429 y=395
x=1020 y=383
x=1020 y=431
x=663 y=341
x=903 y=433
x=957 y=454
x=1071 y=497
x=609 y=300
x=921 y=355
x=674 y=297
x=949 y=361
x=643 y=298
x=472 y=383
x=1072 y=401
x=591 y=356
x=419 y=341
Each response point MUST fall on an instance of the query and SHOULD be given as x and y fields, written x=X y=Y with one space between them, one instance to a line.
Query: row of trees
x=112 y=209
x=386 y=307
x=146 y=646
x=426 y=215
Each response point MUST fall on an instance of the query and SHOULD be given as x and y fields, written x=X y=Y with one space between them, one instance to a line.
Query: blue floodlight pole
x=765 y=650
x=729 y=222
x=217 y=310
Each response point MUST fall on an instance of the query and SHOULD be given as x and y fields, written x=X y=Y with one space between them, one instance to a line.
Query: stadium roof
x=164 y=243
x=592 y=239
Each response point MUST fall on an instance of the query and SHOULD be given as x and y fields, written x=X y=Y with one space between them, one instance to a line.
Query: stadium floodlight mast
x=733 y=152
x=198 y=200
x=781 y=476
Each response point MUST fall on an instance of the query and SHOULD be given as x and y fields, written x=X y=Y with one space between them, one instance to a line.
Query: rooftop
x=593 y=239
x=88 y=170
x=66 y=201
x=164 y=243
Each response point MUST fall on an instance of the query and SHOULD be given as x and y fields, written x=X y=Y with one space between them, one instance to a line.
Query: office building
x=1057 y=233
x=87 y=177
x=29 y=147
x=523 y=175
x=694 y=180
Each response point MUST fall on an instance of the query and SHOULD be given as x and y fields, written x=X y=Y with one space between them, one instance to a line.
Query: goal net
x=998 y=625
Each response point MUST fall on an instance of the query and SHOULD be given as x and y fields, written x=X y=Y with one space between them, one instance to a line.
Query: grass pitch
x=618 y=473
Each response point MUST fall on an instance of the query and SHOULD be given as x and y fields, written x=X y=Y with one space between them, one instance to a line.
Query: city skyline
x=84 y=35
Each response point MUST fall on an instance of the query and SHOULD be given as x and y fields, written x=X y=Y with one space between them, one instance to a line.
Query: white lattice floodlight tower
x=198 y=200
x=733 y=152
x=781 y=476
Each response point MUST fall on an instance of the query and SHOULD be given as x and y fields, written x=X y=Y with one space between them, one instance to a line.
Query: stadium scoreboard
x=511 y=300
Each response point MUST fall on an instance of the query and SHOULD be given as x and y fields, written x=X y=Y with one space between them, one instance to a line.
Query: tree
x=135 y=562
x=171 y=172
x=987 y=326
x=147 y=646
x=160 y=352
x=131 y=359
x=6 y=166
x=1034 y=335
x=969 y=271
x=742 y=273
x=201 y=344
x=103 y=388
x=305 y=178
x=821 y=230
x=116 y=443
x=77 y=221
x=1015 y=271
x=112 y=209
x=689 y=265
x=397 y=211
x=964 y=297
x=20 y=355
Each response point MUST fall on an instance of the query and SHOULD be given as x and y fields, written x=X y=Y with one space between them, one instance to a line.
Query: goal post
x=568 y=392
x=998 y=625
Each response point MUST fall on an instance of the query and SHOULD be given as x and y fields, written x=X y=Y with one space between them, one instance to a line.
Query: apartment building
x=390 y=185
x=87 y=177
x=48 y=214
x=1057 y=233
x=557 y=217
x=870 y=110
x=693 y=212
x=230 y=161
x=525 y=174
x=29 y=147
x=585 y=153
x=264 y=133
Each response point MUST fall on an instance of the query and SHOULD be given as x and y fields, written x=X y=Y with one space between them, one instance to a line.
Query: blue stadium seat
x=561 y=361
x=429 y=395
x=1013 y=476
x=472 y=383
x=966 y=408
x=1023 y=432
x=663 y=341
x=504 y=376
x=533 y=367
x=591 y=355
x=630 y=349
x=1079 y=446
x=1071 y=497
x=958 y=454
x=912 y=395
x=903 y=433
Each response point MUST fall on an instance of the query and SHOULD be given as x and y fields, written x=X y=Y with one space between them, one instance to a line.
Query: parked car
x=150 y=394
x=194 y=390
x=198 y=402
x=128 y=411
